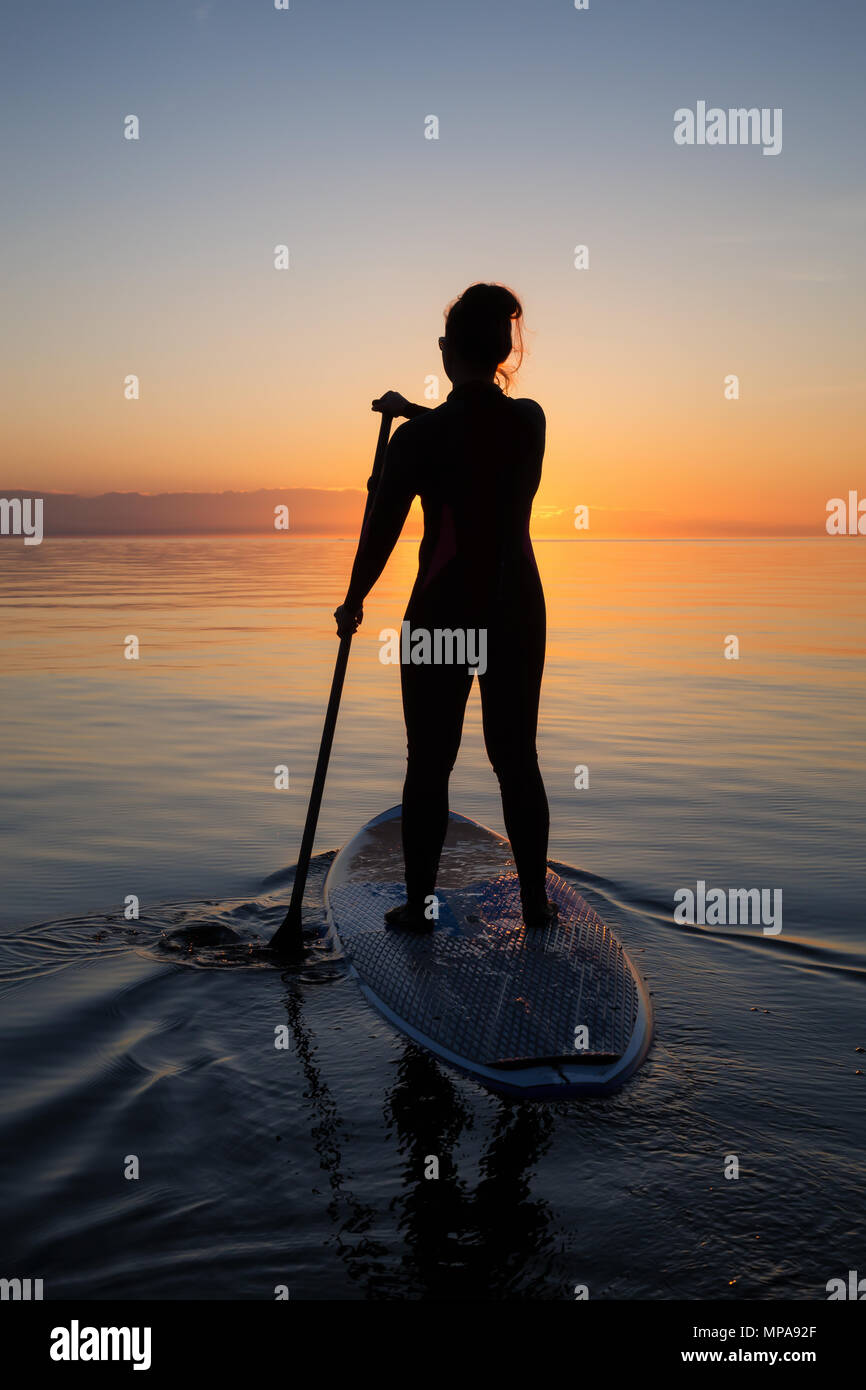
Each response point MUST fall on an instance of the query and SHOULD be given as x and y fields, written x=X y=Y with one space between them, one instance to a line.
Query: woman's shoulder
x=531 y=417
x=528 y=407
x=410 y=441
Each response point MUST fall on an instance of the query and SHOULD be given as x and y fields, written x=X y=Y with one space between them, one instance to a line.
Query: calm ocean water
x=304 y=1166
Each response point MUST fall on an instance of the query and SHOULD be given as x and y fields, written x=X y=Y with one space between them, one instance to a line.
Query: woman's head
x=483 y=329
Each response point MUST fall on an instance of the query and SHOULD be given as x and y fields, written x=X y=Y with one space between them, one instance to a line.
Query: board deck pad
x=481 y=986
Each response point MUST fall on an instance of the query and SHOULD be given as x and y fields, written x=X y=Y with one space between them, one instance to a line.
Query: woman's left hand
x=348 y=621
x=395 y=405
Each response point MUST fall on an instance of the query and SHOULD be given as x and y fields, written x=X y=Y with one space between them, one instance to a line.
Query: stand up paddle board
x=541 y=1013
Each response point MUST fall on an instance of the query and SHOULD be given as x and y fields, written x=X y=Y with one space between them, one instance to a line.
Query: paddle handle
x=289 y=936
x=378 y=465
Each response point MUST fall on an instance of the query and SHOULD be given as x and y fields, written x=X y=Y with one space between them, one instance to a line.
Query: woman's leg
x=434 y=702
x=510 y=691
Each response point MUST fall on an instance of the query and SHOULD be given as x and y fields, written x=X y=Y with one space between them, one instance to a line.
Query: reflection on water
x=306 y=1165
x=157 y=776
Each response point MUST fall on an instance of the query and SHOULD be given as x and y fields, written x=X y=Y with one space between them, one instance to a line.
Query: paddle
x=288 y=937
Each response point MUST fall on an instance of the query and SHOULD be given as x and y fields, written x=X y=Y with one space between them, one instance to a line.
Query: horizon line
x=284 y=537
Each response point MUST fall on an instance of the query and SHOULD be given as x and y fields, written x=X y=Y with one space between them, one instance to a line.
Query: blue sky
x=306 y=126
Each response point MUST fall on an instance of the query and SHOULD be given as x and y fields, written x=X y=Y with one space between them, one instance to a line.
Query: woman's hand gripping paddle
x=288 y=938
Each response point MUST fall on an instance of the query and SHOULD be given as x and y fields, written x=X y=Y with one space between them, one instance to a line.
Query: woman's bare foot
x=540 y=916
x=407 y=915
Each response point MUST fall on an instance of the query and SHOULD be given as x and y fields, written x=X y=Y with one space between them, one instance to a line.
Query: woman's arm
x=382 y=527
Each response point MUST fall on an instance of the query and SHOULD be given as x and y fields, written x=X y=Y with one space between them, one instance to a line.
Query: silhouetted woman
x=475 y=462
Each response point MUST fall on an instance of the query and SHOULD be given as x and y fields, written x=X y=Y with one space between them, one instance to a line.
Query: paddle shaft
x=289 y=935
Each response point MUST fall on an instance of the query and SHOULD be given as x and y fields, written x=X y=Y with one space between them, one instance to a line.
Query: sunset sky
x=306 y=127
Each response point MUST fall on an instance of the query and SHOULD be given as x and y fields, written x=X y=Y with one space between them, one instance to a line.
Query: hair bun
x=483 y=326
x=498 y=298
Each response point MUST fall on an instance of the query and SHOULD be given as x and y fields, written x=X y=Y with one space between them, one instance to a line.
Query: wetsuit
x=475 y=462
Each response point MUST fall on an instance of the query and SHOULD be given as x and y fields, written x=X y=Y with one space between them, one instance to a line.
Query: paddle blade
x=288 y=939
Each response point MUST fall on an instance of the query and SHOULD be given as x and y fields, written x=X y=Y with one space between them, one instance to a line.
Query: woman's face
x=445 y=358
